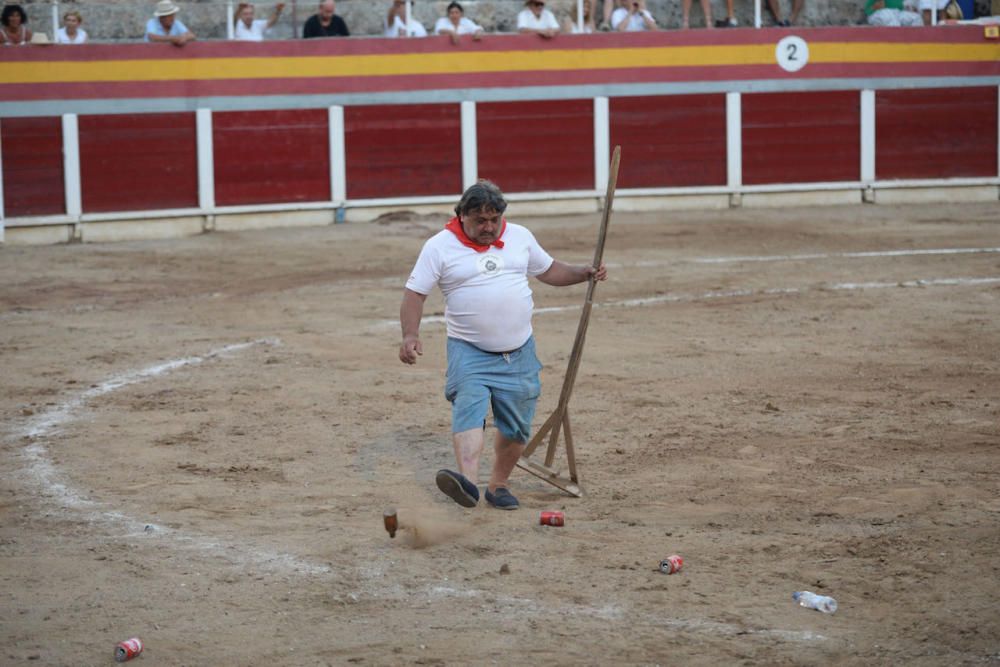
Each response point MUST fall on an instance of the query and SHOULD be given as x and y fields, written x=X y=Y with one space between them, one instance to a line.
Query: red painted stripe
x=333 y=85
x=965 y=34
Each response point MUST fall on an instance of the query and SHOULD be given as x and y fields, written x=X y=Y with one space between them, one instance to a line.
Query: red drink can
x=671 y=564
x=553 y=518
x=128 y=649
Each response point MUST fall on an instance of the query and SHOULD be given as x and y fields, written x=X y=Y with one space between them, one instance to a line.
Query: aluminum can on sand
x=128 y=649
x=671 y=564
x=553 y=518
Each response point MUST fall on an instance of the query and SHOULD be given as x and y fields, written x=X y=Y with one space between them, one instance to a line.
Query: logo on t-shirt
x=490 y=264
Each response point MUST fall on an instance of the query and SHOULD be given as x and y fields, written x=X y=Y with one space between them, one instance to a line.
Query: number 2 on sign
x=792 y=53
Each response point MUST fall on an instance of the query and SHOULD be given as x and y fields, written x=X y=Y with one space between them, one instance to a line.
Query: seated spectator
x=632 y=16
x=13 y=26
x=248 y=29
x=776 y=12
x=71 y=32
x=165 y=27
x=537 y=20
x=396 y=25
x=325 y=22
x=573 y=24
x=927 y=10
x=891 y=13
x=706 y=8
x=456 y=24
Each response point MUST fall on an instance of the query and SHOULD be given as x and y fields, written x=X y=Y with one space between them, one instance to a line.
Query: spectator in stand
x=14 y=29
x=71 y=32
x=730 y=20
x=456 y=24
x=537 y=20
x=632 y=16
x=927 y=10
x=396 y=25
x=248 y=29
x=776 y=12
x=891 y=13
x=165 y=27
x=325 y=22
x=572 y=25
x=706 y=8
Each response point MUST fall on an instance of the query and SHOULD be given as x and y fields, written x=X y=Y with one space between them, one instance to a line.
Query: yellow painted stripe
x=485 y=62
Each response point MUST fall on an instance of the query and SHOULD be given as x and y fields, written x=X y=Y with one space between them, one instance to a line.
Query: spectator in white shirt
x=456 y=24
x=632 y=16
x=248 y=29
x=572 y=24
x=71 y=32
x=396 y=25
x=537 y=20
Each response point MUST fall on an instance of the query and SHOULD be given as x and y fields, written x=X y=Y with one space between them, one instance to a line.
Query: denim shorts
x=508 y=382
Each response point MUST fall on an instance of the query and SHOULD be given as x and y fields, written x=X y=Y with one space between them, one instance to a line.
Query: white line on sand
x=915 y=252
x=737 y=293
x=46 y=477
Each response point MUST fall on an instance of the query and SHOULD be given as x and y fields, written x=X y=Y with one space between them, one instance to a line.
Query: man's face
x=246 y=14
x=167 y=21
x=537 y=7
x=482 y=226
x=455 y=14
x=327 y=9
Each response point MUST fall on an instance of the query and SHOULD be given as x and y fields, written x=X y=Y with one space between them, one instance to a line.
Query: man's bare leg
x=508 y=453
x=468 y=448
x=796 y=10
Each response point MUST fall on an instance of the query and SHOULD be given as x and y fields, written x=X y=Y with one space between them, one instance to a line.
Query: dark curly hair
x=9 y=11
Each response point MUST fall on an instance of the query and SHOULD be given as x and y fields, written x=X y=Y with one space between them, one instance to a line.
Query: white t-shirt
x=398 y=28
x=255 y=33
x=527 y=19
x=63 y=38
x=465 y=26
x=635 y=22
x=486 y=294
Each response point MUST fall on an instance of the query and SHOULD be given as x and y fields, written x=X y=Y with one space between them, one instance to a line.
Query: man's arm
x=410 y=312
x=561 y=274
x=275 y=14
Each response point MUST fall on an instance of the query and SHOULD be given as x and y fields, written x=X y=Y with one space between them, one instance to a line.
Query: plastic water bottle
x=810 y=600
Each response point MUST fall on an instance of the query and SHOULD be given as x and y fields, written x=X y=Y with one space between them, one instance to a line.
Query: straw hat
x=166 y=8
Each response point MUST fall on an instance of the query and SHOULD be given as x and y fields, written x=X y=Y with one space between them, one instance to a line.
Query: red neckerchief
x=455 y=227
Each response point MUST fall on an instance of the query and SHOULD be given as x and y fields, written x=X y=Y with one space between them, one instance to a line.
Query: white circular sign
x=792 y=53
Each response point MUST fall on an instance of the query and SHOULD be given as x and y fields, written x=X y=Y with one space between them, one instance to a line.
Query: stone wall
x=124 y=20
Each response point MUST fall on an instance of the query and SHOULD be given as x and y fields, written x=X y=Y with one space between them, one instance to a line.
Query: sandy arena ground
x=199 y=438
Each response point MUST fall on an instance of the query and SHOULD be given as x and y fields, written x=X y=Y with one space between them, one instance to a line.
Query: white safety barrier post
x=470 y=149
x=230 y=21
x=579 y=25
x=338 y=156
x=756 y=13
x=734 y=146
x=2 y=240
x=602 y=143
x=868 y=143
x=71 y=170
x=55 y=19
x=206 y=161
x=409 y=8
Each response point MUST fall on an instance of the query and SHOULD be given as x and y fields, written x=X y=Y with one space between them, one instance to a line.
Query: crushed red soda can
x=671 y=564
x=553 y=518
x=128 y=649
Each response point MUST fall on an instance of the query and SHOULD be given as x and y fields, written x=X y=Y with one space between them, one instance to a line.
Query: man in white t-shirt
x=248 y=29
x=632 y=16
x=538 y=20
x=482 y=263
x=395 y=23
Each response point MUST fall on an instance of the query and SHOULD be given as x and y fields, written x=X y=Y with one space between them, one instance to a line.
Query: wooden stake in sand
x=559 y=421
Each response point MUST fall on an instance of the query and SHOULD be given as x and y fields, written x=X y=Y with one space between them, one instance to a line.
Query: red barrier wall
x=139 y=162
x=809 y=137
x=670 y=141
x=32 y=166
x=537 y=146
x=403 y=150
x=266 y=157
x=942 y=133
